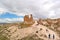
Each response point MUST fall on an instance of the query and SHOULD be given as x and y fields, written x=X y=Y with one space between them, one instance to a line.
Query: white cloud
x=52 y=14
x=2 y=10
x=39 y=8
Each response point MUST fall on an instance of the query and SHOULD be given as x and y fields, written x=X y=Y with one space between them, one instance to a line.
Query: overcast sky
x=39 y=8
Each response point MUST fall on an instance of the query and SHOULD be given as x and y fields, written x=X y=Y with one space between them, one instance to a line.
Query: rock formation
x=28 y=19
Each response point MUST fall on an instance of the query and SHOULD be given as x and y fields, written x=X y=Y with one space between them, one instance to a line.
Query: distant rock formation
x=28 y=19
x=49 y=22
x=42 y=22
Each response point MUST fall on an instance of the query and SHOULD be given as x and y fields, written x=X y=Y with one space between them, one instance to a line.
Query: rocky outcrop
x=28 y=19
x=49 y=22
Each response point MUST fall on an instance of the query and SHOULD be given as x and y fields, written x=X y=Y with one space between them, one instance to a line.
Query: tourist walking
x=53 y=36
x=49 y=36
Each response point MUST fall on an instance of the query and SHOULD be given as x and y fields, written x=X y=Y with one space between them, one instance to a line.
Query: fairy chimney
x=28 y=19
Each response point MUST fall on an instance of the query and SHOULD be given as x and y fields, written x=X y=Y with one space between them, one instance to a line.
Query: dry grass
x=3 y=35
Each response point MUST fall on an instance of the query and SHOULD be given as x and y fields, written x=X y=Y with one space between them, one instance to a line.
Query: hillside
x=36 y=31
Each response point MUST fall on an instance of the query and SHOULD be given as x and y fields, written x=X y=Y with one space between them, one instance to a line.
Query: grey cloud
x=31 y=6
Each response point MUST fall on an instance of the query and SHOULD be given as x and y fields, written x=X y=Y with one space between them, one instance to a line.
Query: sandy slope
x=21 y=33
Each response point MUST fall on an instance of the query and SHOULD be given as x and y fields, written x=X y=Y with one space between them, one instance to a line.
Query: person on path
x=49 y=36
x=53 y=36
